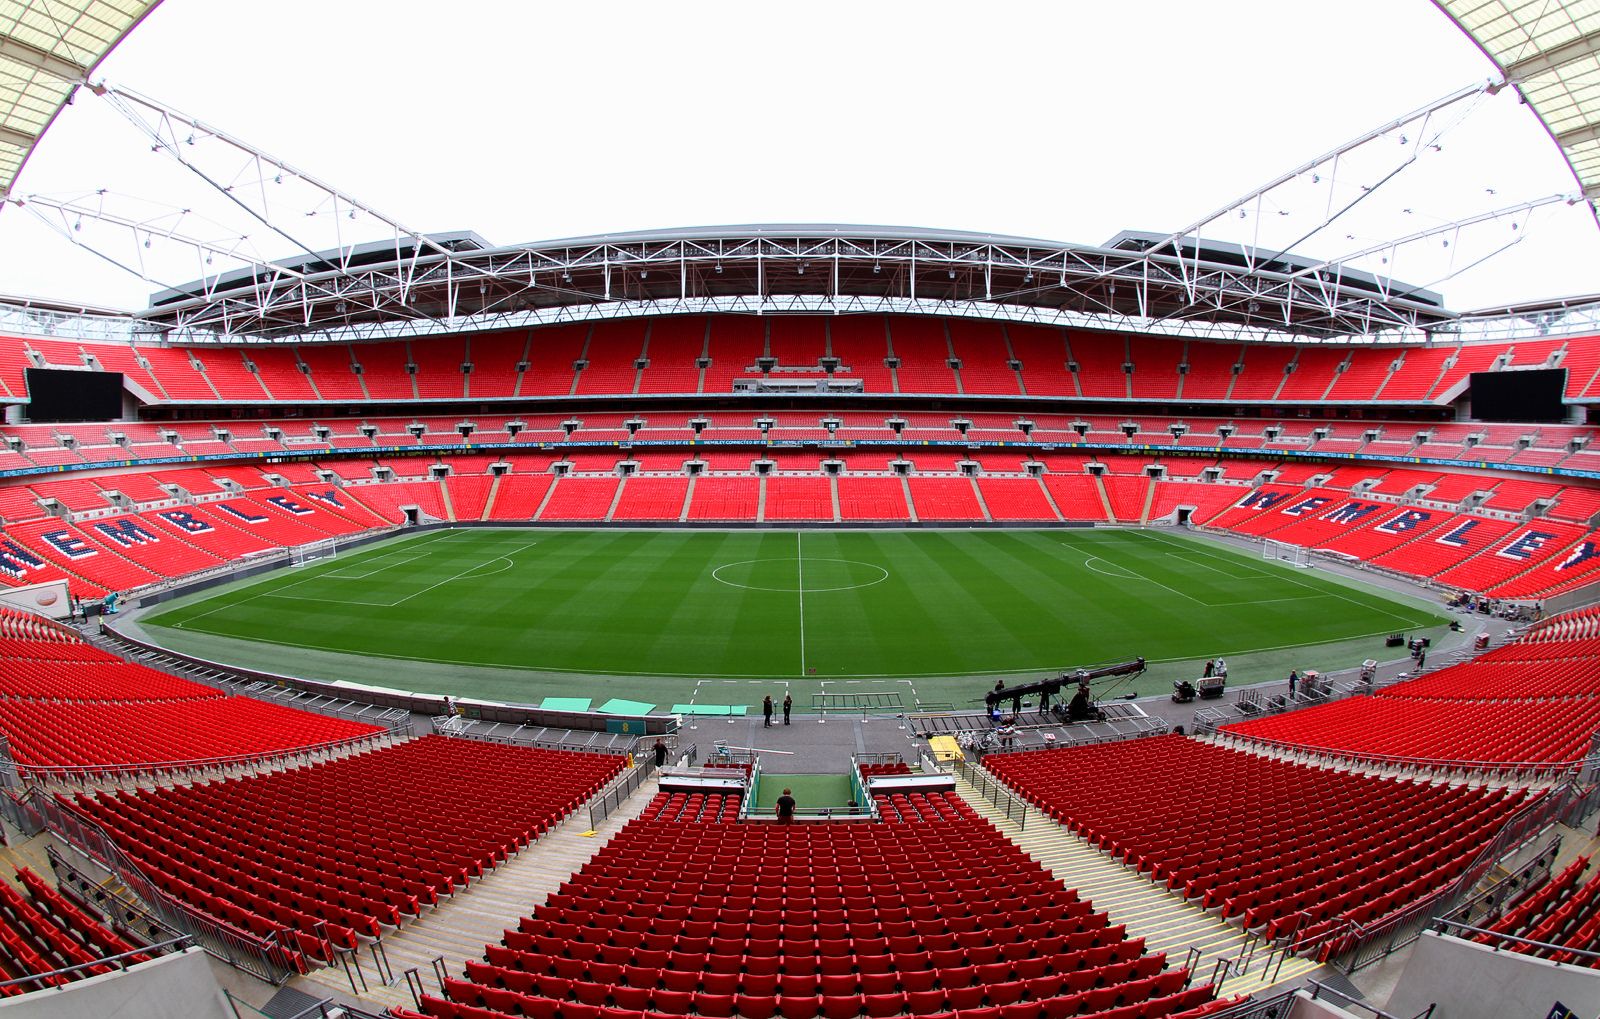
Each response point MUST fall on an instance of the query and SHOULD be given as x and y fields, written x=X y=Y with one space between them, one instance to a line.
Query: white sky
x=527 y=121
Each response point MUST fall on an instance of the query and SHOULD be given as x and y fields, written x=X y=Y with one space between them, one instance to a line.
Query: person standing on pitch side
x=788 y=703
x=766 y=712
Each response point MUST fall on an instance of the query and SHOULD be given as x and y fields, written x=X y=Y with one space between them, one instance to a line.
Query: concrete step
x=459 y=927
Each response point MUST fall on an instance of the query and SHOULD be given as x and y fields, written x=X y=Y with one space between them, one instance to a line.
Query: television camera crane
x=1080 y=708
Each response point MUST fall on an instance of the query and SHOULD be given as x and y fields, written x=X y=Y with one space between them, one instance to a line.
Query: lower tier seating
x=44 y=931
x=145 y=735
x=1284 y=847
x=1561 y=913
x=1530 y=732
x=358 y=843
x=685 y=913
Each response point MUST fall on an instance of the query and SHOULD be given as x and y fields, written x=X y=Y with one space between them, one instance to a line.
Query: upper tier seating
x=674 y=915
x=661 y=356
x=1277 y=845
x=359 y=842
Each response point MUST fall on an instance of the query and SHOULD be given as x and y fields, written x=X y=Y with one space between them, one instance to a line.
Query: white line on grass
x=1128 y=574
x=466 y=572
x=1408 y=620
x=277 y=592
x=800 y=565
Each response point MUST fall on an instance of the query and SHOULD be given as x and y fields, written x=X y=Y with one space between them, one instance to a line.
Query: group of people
x=1216 y=667
x=767 y=709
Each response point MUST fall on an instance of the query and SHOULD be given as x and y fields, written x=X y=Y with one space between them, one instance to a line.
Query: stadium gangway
x=999 y=795
x=396 y=720
x=610 y=798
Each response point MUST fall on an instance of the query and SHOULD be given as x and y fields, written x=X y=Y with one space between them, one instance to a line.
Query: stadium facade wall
x=1468 y=981
x=178 y=984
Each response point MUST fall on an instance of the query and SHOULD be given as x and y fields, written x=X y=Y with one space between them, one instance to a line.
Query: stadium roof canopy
x=47 y=48
x=1550 y=52
x=459 y=284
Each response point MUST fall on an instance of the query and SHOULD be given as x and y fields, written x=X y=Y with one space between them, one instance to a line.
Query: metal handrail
x=271 y=961
x=996 y=792
x=610 y=798
x=118 y=961
x=1446 y=926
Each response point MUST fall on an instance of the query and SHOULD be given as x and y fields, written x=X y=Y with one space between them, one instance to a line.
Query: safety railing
x=119 y=962
x=262 y=958
x=606 y=802
x=85 y=774
x=540 y=736
x=1523 y=946
x=1014 y=807
x=1489 y=903
x=1403 y=765
x=1114 y=730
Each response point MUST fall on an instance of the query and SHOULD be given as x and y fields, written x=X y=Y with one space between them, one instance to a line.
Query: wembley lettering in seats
x=183 y=520
x=245 y=515
x=1351 y=512
x=1310 y=505
x=1526 y=545
x=1260 y=499
x=1585 y=551
x=16 y=561
x=126 y=532
x=1458 y=537
x=1409 y=520
x=283 y=502
x=69 y=544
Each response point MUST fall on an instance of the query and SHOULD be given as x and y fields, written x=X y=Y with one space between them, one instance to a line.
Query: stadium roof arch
x=1550 y=53
x=47 y=49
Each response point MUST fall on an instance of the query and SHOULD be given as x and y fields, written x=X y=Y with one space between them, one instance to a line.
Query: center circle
x=799 y=576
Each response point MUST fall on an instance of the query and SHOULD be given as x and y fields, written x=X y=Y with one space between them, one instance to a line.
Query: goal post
x=305 y=555
x=1282 y=551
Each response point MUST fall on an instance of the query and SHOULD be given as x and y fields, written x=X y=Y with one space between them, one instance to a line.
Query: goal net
x=305 y=555
x=1285 y=552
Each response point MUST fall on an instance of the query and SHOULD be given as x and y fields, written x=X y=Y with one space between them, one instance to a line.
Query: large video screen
x=57 y=395
x=1519 y=395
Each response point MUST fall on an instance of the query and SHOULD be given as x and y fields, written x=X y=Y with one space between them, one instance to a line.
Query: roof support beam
x=1553 y=59
x=49 y=63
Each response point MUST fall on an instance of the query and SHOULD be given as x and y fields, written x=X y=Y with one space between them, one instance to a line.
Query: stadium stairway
x=458 y=928
x=1166 y=922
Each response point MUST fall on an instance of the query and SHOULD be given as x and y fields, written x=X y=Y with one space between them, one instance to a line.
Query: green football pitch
x=723 y=617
